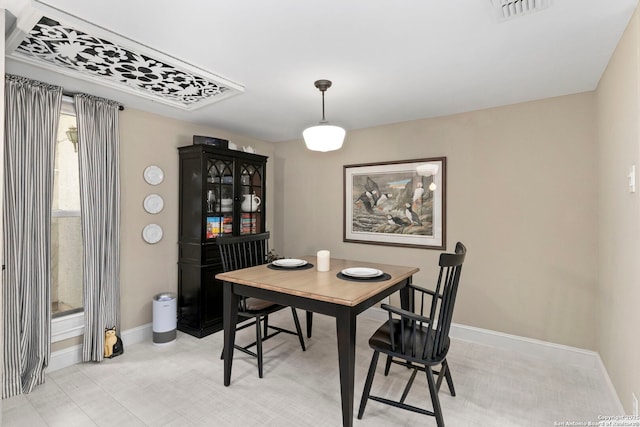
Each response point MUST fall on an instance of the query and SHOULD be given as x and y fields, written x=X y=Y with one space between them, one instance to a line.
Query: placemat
x=381 y=278
x=301 y=267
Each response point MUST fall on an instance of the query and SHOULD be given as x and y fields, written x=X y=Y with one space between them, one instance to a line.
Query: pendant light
x=323 y=136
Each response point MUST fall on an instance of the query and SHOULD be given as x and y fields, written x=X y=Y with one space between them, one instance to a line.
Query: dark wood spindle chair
x=418 y=342
x=248 y=251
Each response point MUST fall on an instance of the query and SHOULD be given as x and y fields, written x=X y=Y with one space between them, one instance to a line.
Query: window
x=66 y=232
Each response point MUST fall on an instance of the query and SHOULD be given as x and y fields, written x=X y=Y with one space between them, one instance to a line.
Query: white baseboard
x=66 y=357
x=137 y=335
x=559 y=353
x=71 y=355
x=556 y=352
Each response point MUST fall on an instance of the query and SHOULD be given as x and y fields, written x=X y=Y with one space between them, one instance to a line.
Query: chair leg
x=259 y=346
x=440 y=377
x=368 y=383
x=298 y=329
x=266 y=325
x=445 y=372
x=433 y=391
x=407 y=388
x=387 y=366
x=447 y=375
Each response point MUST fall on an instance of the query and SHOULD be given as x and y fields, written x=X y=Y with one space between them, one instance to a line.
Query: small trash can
x=165 y=318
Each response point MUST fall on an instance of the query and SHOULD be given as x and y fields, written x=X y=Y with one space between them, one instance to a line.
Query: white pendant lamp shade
x=323 y=136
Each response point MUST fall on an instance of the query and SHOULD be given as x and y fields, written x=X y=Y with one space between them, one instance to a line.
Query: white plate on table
x=361 y=272
x=289 y=262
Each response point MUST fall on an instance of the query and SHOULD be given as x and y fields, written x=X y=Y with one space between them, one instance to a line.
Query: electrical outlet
x=635 y=404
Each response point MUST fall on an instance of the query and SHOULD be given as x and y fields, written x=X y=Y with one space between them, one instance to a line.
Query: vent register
x=68 y=50
x=508 y=9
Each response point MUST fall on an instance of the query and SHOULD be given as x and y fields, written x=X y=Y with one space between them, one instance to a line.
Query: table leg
x=230 y=319
x=346 y=331
x=309 y=323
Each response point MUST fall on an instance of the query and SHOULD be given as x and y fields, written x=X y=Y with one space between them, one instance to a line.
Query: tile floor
x=180 y=384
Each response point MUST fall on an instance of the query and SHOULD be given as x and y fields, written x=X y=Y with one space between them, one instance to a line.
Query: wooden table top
x=322 y=286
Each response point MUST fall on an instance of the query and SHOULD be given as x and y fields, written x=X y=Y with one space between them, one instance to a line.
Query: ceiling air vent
x=509 y=9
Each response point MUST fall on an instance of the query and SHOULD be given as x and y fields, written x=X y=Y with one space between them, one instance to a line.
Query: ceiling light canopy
x=323 y=137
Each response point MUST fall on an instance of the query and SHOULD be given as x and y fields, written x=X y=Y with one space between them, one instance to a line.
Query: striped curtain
x=32 y=112
x=98 y=151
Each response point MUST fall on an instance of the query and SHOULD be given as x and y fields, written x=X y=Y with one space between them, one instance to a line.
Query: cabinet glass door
x=219 y=198
x=251 y=187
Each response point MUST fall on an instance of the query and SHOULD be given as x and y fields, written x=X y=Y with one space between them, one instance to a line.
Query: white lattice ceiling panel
x=110 y=60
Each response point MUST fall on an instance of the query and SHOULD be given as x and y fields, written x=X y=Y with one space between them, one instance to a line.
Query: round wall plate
x=153 y=203
x=153 y=175
x=152 y=233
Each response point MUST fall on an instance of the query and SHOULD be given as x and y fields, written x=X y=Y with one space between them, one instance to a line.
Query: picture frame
x=396 y=203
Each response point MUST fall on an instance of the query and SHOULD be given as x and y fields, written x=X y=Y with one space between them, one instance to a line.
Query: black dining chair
x=248 y=251
x=419 y=342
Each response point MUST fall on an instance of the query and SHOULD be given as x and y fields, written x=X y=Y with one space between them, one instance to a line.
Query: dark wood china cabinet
x=221 y=193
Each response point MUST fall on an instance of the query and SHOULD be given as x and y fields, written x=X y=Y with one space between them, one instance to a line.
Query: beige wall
x=521 y=194
x=147 y=139
x=618 y=317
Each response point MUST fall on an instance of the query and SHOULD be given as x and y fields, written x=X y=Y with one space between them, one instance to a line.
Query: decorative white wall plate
x=153 y=203
x=152 y=233
x=153 y=175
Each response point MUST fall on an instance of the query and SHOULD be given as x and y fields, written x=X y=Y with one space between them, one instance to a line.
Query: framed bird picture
x=398 y=203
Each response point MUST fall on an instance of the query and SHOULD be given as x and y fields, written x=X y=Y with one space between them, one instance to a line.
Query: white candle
x=324 y=260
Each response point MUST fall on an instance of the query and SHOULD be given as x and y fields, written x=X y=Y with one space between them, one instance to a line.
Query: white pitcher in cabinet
x=250 y=203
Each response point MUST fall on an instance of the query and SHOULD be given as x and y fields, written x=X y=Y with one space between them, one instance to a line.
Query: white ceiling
x=389 y=60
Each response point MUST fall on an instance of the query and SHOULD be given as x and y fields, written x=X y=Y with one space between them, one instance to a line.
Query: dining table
x=332 y=293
